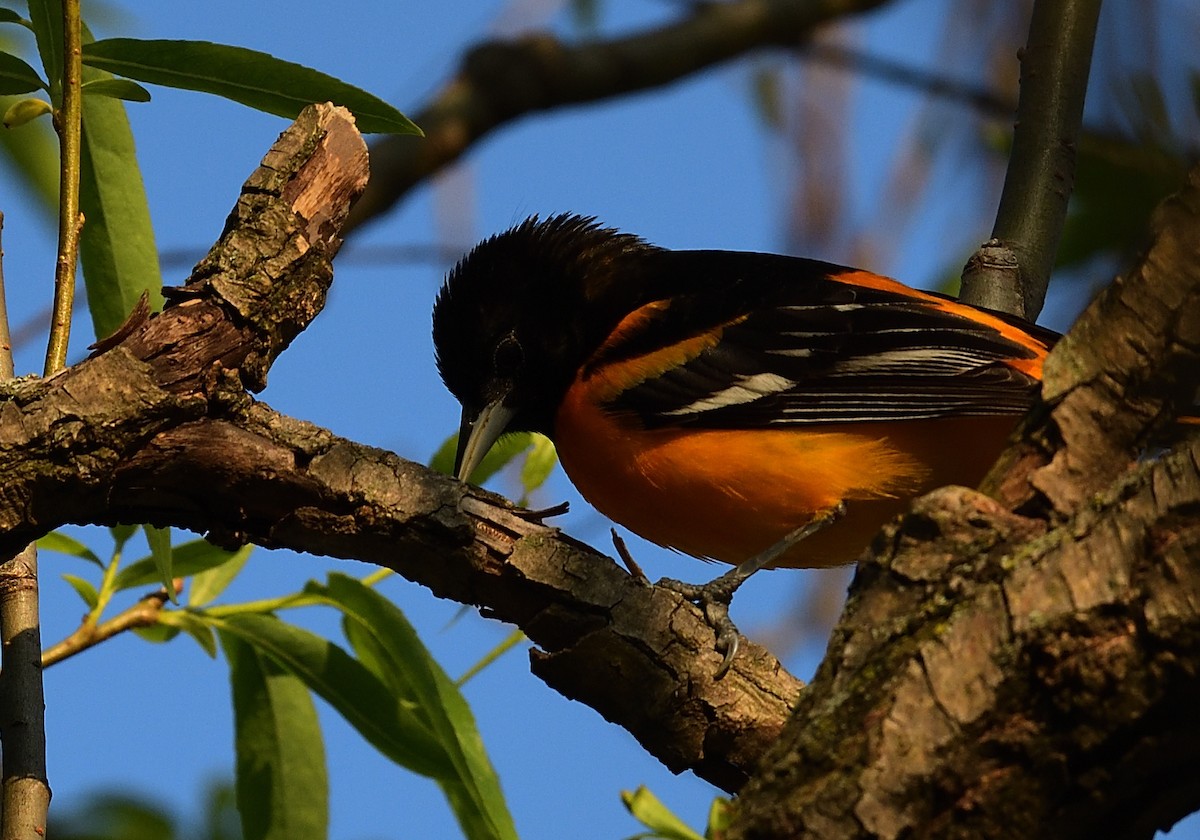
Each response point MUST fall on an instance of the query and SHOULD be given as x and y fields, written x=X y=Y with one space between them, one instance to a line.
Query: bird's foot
x=713 y=598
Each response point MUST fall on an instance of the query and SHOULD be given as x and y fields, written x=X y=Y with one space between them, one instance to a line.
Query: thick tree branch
x=500 y=82
x=158 y=428
x=1000 y=675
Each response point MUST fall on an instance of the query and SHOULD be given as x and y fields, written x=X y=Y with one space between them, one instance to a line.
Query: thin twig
x=1010 y=273
x=69 y=123
x=142 y=614
x=883 y=69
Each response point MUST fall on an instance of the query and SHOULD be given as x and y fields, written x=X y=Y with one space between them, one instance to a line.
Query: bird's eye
x=508 y=358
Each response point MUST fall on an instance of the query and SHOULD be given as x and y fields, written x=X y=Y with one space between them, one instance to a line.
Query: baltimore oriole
x=714 y=401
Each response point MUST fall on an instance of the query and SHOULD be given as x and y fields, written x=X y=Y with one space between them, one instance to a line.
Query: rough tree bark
x=1016 y=674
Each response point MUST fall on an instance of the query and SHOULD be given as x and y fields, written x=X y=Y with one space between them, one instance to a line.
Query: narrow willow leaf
x=116 y=245
x=193 y=625
x=211 y=582
x=187 y=559
x=61 y=543
x=498 y=457
x=33 y=154
x=252 y=78
x=46 y=19
x=122 y=534
x=382 y=637
x=85 y=590
x=117 y=89
x=720 y=815
x=24 y=111
x=647 y=809
x=282 y=788
x=539 y=464
x=18 y=77
x=356 y=693
x=156 y=633
x=9 y=16
x=509 y=642
x=159 y=540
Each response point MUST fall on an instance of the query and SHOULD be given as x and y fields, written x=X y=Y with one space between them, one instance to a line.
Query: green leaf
x=720 y=815
x=282 y=789
x=18 y=77
x=510 y=641
x=46 y=18
x=33 y=154
x=193 y=625
x=1118 y=183
x=505 y=450
x=85 y=589
x=117 y=89
x=24 y=111
x=252 y=78
x=157 y=633
x=116 y=245
x=122 y=534
x=539 y=464
x=107 y=816
x=9 y=16
x=159 y=540
x=384 y=640
x=347 y=685
x=61 y=543
x=188 y=559
x=650 y=812
x=211 y=582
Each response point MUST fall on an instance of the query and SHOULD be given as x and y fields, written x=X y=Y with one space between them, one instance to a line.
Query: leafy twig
x=142 y=614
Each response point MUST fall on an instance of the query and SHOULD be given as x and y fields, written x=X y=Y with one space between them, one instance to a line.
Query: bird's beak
x=476 y=435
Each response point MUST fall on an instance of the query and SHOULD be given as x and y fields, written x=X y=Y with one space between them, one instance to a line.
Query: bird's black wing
x=811 y=348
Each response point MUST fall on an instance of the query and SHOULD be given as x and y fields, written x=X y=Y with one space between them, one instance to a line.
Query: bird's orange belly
x=729 y=494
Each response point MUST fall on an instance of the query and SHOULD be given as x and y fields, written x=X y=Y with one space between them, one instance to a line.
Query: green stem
x=69 y=123
x=286 y=602
x=1012 y=271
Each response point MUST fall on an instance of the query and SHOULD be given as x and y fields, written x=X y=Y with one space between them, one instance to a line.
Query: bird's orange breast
x=729 y=494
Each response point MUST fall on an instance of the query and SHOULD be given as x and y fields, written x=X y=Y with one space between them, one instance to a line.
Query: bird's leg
x=714 y=597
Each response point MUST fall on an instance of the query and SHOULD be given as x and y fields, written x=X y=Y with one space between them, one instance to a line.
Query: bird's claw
x=713 y=599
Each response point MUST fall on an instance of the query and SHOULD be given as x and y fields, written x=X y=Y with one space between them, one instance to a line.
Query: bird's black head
x=524 y=309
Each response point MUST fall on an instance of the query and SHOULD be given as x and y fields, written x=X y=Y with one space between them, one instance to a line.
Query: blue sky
x=688 y=166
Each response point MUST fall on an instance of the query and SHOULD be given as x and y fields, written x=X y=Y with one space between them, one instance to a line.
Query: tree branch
x=1011 y=272
x=975 y=647
x=144 y=613
x=1026 y=676
x=501 y=81
x=168 y=436
x=25 y=798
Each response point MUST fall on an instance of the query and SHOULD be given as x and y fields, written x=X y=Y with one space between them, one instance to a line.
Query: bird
x=751 y=408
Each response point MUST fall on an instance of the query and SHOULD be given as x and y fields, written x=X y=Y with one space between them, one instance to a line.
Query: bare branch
x=500 y=82
x=1011 y=272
